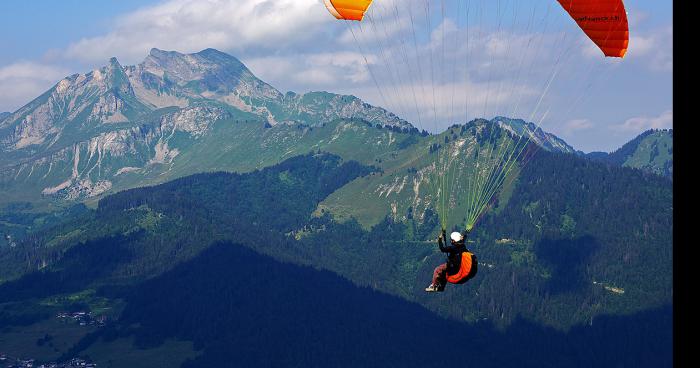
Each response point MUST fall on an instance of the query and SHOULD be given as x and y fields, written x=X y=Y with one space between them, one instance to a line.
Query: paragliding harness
x=464 y=269
x=467 y=269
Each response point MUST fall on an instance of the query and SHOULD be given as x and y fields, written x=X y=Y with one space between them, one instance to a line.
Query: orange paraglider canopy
x=348 y=9
x=604 y=21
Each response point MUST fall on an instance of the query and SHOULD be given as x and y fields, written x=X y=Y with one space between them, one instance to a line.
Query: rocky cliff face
x=118 y=126
x=323 y=107
x=167 y=78
x=90 y=168
x=78 y=103
x=82 y=105
x=536 y=135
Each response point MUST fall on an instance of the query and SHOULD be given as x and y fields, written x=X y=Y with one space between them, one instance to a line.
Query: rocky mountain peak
x=167 y=78
x=177 y=65
x=535 y=133
x=82 y=102
x=184 y=68
x=86 y=103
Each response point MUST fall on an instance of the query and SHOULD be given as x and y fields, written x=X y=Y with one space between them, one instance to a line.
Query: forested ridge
x=561 y=230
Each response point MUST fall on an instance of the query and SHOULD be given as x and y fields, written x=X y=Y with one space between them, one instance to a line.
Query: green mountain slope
x=216 y=310
x=321 y=180
x=207 y=112
x=560 y=252
x=651 y=151
x=205 y=138
x=117 y=127
x=78 y=106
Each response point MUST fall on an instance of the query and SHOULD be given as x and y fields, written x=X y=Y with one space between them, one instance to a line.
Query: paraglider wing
x=489 y=160
x=348 y=9
x=603 y=21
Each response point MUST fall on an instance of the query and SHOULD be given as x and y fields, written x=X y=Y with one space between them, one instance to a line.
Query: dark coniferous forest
x=244 y=273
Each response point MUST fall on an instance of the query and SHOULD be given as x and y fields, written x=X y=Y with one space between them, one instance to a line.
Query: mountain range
x=174 y=114
x=197 y=208
x=77 y=139
x=564 y=274
x=651 y=151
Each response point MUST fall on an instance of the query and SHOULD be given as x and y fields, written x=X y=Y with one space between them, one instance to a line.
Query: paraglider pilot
x=459 y=266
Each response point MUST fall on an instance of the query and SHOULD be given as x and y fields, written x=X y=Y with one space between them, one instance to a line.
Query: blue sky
x=295 y=45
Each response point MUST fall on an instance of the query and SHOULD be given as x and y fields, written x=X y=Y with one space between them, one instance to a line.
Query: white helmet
x=456 y=236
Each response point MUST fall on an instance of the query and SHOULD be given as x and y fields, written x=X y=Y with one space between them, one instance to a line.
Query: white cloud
x=296 y=44
x=487 y=69
x=576 y=125
x=23 y=81
x=650 y=47
x=272 y=69
x=450 y=102
x=348 y=66
x=478 y=71
x=330 y=70
x=653 y=48
x=31 y=70
x=455 y=98
x=642 y=123
x=636 y=17
x=193 y=25
x=384 y=21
